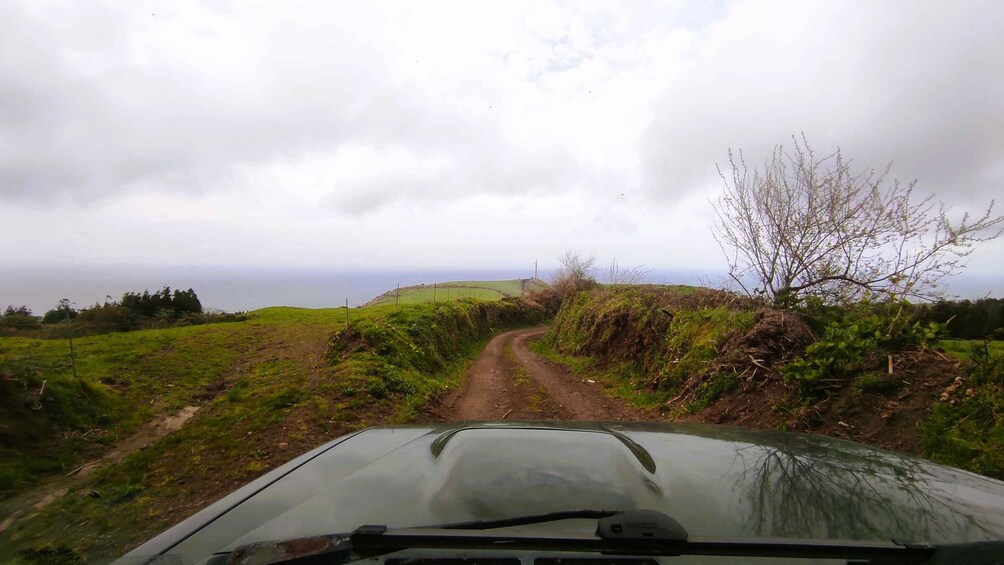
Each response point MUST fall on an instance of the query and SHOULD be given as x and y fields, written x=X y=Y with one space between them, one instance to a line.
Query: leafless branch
x=802 y=225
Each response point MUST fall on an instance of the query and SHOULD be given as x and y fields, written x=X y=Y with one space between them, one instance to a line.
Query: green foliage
x=967 y=319
x=183 y=310
x=60 y=313
x=18 y=319
x=711 y=389
x=107 y=317
x=968 y=432
x=149 y=305
x=849 y=342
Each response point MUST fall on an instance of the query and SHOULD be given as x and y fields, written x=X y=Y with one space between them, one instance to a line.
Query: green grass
x=276 y=385
x=125 y=379
x=455 y=290
x=968 y=430
x=963 y=348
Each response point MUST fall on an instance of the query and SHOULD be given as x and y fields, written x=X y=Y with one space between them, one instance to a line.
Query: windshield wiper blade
x=631 y=540
x=524 y=520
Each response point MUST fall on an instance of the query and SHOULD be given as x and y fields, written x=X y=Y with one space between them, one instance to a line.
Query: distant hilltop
x=455 y=290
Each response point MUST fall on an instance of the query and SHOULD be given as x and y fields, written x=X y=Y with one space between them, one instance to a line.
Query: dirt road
x=508 y=381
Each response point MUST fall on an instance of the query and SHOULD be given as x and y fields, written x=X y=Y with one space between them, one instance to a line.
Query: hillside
x=456 y=290
x=108 y=453
x=868 y=374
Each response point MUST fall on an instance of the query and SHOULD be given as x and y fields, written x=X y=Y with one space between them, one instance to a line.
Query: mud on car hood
x=714 y=480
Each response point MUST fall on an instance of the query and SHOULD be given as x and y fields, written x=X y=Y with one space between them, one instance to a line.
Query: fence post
x=346 y=312
x=73 y=353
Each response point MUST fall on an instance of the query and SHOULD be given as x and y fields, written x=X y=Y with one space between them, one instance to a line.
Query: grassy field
x=125 y=379
x=963 y=348
x=267 y=390
x=456 y=290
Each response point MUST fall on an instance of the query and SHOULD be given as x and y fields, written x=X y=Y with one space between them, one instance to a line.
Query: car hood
x=714 y=480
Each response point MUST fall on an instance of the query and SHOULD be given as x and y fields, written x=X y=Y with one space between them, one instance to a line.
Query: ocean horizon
x=243 y=289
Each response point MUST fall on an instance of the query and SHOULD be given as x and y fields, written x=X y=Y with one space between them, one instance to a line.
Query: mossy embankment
x=411 y=354
x=267 y=389
x=655 y=339
x=868 y=373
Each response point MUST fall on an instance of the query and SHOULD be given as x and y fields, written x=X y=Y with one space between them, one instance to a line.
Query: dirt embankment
x=718 y=360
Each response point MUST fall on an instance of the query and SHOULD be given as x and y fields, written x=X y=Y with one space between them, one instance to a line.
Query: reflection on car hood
x=716 y=481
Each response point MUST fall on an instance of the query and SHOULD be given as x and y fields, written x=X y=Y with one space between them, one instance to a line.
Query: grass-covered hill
x=456 y=290
x=266 y=389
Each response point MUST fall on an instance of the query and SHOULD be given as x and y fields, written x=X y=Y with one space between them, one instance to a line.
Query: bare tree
x=575 y=273
x=805 y=225
x=616 y=274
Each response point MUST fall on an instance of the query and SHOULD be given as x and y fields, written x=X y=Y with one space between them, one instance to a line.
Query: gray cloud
x=93 y=114
x=920 y=84
x=486 y=166
x=97 y=102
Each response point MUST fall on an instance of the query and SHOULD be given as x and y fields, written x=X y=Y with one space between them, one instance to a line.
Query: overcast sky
x=468 y=134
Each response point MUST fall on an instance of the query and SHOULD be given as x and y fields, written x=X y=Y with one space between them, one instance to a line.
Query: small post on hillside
x=346 y=312
x=397 y=299
x=69 y=326
x=535 y=269
x=447 y=294
x=434 y=293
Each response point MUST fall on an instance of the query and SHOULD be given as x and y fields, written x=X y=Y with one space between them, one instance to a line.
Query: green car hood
x=716 y=481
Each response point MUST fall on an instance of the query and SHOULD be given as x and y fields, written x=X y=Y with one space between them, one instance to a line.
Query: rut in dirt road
x=508 y=381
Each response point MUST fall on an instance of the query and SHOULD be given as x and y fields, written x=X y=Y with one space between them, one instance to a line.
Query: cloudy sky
x=467 y=134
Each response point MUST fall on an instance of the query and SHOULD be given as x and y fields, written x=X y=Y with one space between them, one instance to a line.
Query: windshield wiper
x=524 y=520
x=628 y=533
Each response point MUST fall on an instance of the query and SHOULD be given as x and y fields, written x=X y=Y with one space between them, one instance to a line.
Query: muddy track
x=509 y=381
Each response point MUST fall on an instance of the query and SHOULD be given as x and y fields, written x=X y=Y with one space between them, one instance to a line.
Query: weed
x=876 y=382
x=712 y=389
x=968 y=431
x=846 y=345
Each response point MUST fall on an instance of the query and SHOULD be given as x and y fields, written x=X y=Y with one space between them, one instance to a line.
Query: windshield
x=274 y=269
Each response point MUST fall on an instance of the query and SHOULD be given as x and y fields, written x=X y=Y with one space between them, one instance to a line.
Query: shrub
x=18 y=319
x=848 y=344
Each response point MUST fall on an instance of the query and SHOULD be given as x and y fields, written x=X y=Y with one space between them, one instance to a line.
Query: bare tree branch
x=616 y=274
x=803 y=225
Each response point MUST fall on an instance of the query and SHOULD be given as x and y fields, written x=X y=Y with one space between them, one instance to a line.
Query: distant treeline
x=163 y=308
x=967 y=319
